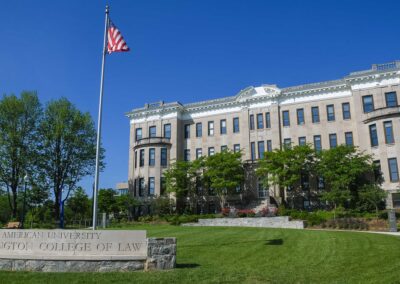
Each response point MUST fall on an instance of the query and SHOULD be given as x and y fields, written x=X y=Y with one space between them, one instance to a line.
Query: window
x=260 y=121
x=300 y=116
x=138 y=134
x=223 y=126
x=302 y=141
x=346 y=110
x=393 y=170
x=235 y=124
x=348 y=136
x=378 y=177
x=387 y=125
x=304 y=181
x=391 y=99
x=135 y=159
x=287 y=142
x=286 y=118
x=187 y=131
x=163 y=186
x=262 y=191
x=141 y=186
x=315 y=114
x=211 y=128
x=135 y=184
x=332 y=140
x=236 y=148
x=269 y=145
x=317 y=143
x=211 y=151
x=152 y=131
x=368 y=103
x=238 y=188
x=152 y=185
x=321 y=183
x=199 y=153
x=396 y=200
x=152 y=157
x=224 y=148
x=163 y=156
x=141 y=162
x=186 y=155
x=261 y=149
x=199 y=129
x=330 y=112
x=253 y=150
x=251 y=122
x=267 y=120
x=373 y=135
x=167 y=130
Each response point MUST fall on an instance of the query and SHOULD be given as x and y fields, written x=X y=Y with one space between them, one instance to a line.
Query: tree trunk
x=222 y=200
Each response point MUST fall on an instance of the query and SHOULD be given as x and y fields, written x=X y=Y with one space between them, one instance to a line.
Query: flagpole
x=96 y=177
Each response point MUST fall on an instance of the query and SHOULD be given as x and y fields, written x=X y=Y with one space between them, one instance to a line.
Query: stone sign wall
x=83 y=250
x=73 y=244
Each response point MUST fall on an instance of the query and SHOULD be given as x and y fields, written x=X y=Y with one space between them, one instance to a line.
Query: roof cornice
x=271 y=93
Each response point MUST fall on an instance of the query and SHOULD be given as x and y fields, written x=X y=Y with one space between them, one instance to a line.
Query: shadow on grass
x=274 y=242
x=186 y=265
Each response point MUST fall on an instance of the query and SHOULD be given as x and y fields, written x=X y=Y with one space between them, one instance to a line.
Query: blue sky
x=184 y=51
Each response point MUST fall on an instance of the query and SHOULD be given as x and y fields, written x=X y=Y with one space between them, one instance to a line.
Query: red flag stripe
x=116 y=42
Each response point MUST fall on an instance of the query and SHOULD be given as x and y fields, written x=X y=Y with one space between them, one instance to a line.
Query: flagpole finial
x=107 y=9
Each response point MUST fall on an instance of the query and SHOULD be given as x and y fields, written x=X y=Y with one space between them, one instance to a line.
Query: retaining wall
x=262 y=222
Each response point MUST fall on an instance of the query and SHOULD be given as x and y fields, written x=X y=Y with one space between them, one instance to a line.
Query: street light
x=24 y=204
x=62 y=209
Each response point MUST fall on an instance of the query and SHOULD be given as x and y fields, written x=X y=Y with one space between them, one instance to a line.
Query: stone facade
x=161 y=256
x=261 y=222
x=326 y=113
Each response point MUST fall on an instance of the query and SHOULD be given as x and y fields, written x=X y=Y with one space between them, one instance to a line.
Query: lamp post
x=61 y=210
x=24 y=204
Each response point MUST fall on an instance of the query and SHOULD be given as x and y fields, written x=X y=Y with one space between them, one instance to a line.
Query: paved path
x=354 y=231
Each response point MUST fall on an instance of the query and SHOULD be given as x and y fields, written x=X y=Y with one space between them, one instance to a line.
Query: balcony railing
x=382 y=113
x=152 y=141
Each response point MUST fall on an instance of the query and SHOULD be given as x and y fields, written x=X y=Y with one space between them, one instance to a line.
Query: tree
x=68 y=148
x=162 y=205
x=5 y=210
x=107 y=202
x=224 y=173
x=372 y=194
x=79 y=204
x=285 y=167
x=181 y=179
x=19 y=120
x=125 y=205
x=342 y=167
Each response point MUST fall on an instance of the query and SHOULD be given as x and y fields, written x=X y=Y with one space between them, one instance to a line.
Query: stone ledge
x=260 y=222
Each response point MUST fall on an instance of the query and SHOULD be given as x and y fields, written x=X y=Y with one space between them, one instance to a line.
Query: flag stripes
x=116 y=42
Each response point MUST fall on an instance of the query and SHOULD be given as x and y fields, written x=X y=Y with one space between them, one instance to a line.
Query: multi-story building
x=360 y=109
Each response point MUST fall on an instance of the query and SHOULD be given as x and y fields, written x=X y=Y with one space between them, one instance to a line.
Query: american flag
x=116 y=42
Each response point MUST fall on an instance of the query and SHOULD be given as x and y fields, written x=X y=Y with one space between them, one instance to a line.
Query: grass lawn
x=253 y=255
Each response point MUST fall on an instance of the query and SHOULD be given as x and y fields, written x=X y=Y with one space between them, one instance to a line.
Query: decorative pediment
x=271 y=90
x=268 y=91
x=243 y=95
